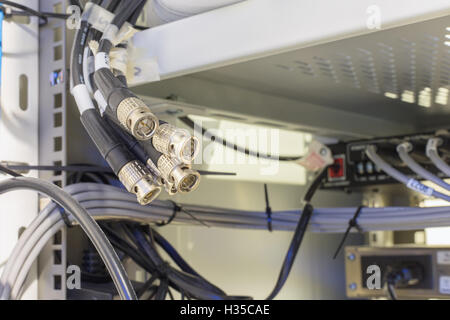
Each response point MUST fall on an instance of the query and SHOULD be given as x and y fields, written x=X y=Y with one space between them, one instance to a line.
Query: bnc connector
x=180 y=175
x=134 y=115
x=138 y=179
x=175 y=142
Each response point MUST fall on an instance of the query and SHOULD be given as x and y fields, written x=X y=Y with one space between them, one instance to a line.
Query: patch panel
x=352 y=168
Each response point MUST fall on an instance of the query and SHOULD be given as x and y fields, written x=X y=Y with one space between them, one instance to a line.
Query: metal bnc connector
x=170 y=188
x=175 y=142
x=180 y=175
x=156 y=174
x=134 y=115
x=138 y=179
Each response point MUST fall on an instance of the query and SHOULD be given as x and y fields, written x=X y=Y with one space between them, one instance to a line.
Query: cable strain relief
x=106 y=141
x=406 y=146
x=152 y=153
x=108 y=84
x=118 y=157
x=130 y=142
x=433 y=144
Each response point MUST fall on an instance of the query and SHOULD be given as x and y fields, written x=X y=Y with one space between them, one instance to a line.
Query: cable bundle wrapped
x=144 y=152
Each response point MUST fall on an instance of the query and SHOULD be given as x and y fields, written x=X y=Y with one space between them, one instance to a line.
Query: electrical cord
x=156 y=266
x=88 y=224
x=403 y=150
x=192 y=125
x=11 y=169
x=433 y=155
x=390 y=287
x=112 y=203
x=299 y=233
x=198 y=289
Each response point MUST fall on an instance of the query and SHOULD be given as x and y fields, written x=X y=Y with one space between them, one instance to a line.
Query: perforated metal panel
x=400 y=74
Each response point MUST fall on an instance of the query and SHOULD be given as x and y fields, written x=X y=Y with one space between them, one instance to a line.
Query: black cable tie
x=268 y=209
x=176 y=209
x=64 y=216
x=352 y=223
x=163 y=269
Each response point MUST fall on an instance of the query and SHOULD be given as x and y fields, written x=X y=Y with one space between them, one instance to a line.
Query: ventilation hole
x=57 y=7
x=287 y=68
x=57 y=144
x=269 y=124
x=57 y=164
x=20 y=19
x=442 y=96
x=57 y=53
x=408 y=96
x=425 y=98
x=57 y=34
x=57 y=238
x=57 y=281
x=57 y=100
x=57 y=257
x=23 y=92
x=391 y=95
x=57 y=120
x=226 y=116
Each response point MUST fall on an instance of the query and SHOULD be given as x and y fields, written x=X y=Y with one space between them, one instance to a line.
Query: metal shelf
x=310 y=65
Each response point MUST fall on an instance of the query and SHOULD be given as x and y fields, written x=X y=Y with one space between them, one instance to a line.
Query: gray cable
x=397 y=175
x=403 y=150
x=107 y=202
x=88 y=224
x=433 y=154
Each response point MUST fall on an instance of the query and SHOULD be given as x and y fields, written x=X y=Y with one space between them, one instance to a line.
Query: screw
x=352 y=286
x=351 y=257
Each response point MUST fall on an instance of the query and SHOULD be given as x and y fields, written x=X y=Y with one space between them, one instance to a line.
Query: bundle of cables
x=142 y=151
x=145 y=153
x=121 y=215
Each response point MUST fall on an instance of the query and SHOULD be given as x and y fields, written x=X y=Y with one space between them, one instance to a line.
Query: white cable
x=87 y=64
x=411 y=183
x=18 y=262
x=433 y=154
x=403 y=151
x=42 y=241
x=163 y=11
x=75 y=190
x=104 y=201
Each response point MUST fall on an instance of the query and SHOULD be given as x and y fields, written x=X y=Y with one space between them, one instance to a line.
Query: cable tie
x=163 y=269
x=64 y=215
x=352 y=223
x=268 y=209
x=176 y=209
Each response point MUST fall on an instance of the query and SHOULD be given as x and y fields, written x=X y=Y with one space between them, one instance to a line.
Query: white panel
x=258 y=28
x=19 y=128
